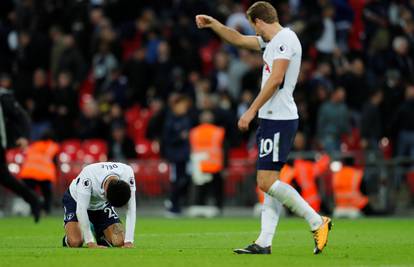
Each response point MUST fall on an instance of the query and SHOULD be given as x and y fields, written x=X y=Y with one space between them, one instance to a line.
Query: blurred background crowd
x=138 y=74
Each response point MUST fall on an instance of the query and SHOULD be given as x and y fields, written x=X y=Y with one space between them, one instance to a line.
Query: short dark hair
x=264 y=11
x=118 y=193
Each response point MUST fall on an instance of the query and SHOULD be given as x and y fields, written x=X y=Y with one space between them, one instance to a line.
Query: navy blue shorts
x=274 y=140
x=100 y=219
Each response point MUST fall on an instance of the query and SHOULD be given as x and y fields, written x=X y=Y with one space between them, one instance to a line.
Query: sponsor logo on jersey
x=267 y=68
x=131 y=181
x=282 y=48
x=87 y=183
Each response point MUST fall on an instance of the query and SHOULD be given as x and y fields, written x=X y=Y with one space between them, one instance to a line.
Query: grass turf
x=199 y=243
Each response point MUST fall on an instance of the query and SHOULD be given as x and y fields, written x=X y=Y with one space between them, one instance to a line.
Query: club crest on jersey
x=282 y=49
x=131 y=181
x=69 y=216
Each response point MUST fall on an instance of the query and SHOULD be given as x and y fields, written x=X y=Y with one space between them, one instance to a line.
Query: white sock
x=270 y=217
x=289 y=197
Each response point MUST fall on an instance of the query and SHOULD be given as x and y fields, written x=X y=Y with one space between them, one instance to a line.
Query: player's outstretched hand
x=245 y=120
x=94 y=245
x=128 y=245
x=204 y=21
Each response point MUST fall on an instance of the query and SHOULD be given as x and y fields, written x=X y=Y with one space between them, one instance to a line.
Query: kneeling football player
x=89 y=203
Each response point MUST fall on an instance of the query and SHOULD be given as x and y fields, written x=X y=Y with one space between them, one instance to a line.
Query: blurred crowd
x=77 y=66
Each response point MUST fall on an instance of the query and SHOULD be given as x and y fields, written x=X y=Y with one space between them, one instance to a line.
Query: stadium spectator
x=403 y=125
x=90 y=124
x=401 y=59
x=176 y=150
x=333 y=121
x=120 y=146
x=138 y=72
x=64 y=106
x=371 y=123
x=38 y=104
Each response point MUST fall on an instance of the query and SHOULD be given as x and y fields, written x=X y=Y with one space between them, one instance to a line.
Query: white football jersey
x=91 y=179
x=284 y=45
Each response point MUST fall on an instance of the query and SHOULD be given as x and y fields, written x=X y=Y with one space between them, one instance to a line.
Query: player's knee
x=264 y=183
x=74 y=242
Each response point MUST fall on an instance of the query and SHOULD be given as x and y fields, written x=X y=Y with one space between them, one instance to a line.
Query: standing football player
x=278 y=116
x=90 y=201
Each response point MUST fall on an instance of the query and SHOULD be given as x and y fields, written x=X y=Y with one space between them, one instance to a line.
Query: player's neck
x=272 y=30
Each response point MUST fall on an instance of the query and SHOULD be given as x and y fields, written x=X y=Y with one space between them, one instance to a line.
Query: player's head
x=118 y=192
x=261 y=14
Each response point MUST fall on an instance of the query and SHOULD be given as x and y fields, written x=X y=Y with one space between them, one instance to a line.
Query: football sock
x=289 y=197
x=270 y=217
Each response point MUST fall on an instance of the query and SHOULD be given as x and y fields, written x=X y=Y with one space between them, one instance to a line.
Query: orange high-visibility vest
x=305 y=177
x=38 y=163
x=346 y=184
x=208 y=138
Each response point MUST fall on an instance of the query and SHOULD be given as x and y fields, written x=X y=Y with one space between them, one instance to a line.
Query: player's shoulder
x=286 y=35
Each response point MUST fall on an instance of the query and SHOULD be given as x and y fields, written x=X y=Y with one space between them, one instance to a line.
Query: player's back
x=93 y=176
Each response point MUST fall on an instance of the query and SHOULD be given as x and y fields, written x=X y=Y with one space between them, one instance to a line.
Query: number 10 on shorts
x=267 y=146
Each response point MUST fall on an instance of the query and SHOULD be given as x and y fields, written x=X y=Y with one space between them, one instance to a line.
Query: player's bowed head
x=117 y=192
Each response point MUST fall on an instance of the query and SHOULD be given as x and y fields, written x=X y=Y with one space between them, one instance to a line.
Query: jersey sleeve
x=283 y=49
x=262 y=43
x=84 y=185
x=131 y=179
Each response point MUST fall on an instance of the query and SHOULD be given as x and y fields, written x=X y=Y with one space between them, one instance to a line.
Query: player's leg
x=73 y=234
x=115 y=234
x=289 y=197
x=108 y=228
x=19 y=188
x=46 y=187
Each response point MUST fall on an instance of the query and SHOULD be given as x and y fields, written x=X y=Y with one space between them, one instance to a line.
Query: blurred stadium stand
x=83 y=68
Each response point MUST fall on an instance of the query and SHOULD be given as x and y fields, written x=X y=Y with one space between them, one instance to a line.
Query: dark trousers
x=215 y=188
x=15 y=185
x=45 y=187
x=180 y=182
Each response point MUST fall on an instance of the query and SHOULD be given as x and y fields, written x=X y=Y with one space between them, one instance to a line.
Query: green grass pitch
x=202 y=242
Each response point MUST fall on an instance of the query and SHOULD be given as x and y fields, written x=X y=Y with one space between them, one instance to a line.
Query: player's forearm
x=229 y=35
x=130 y=219
x=270 y=88
x=82 y=214
x=82 y=205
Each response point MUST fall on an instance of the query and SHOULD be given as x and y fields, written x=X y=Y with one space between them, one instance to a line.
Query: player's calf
x=115 y=235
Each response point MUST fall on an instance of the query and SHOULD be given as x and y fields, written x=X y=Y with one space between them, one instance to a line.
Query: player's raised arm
x=228 y=34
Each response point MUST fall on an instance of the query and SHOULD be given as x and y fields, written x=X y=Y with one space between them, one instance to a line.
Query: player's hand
x=22 y=142
x=204 y=21
x=94 y=245
x=128 y=245
x=245 y=120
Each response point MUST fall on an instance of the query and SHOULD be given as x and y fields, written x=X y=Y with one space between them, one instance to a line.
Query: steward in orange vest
x=346 y=187
x=305 y=173
x=38 y=168
x=207 y=155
